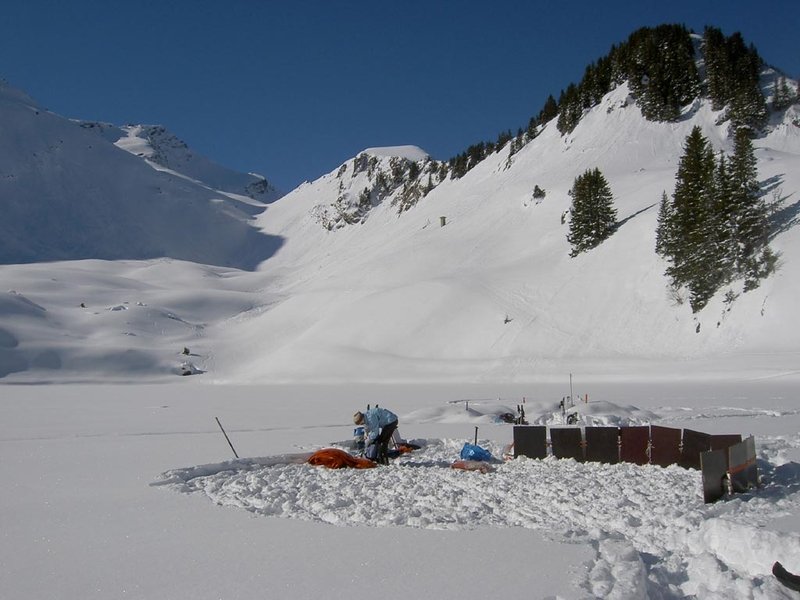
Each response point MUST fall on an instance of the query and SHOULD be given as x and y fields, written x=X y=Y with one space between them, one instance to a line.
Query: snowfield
x=92 y=473
x=288 y=326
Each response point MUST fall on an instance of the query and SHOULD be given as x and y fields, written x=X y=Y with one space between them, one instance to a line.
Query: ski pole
x=226 y=437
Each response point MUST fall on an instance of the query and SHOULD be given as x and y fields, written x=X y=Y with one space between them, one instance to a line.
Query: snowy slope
x=361 y=283
x=493 y=295
x=160 y=147
x=68 y=193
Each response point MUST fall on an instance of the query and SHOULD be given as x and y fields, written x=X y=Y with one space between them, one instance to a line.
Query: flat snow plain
x=90 y=508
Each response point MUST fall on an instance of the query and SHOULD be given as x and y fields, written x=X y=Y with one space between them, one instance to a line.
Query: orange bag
x=334 y=458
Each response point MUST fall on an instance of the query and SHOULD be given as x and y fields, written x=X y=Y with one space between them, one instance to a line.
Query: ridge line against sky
x=292 y=90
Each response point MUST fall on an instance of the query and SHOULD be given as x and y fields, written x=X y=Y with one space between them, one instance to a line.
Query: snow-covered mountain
x=493 y=294
x=128 y=193
x=164 y=151
x=384 y=270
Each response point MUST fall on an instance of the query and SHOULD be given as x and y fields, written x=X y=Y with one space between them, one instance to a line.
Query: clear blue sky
x=291 y=89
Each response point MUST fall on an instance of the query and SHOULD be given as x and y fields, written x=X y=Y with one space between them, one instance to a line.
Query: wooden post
x=442 y=221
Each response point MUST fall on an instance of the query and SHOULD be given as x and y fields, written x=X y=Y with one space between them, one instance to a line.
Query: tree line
x=659 y=64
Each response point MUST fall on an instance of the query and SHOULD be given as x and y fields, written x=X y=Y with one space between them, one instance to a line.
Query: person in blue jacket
x=379 y=425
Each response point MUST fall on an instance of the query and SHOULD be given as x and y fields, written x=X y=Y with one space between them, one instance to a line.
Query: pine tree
x=665 y=234
x=549 y=110
x=754 y=259
x=716 y=228
x=724 y=215
x=782 y=96
x=570 y=109
x=593 y=216
x=690 y=205
x=686 y=234
x=733 y=72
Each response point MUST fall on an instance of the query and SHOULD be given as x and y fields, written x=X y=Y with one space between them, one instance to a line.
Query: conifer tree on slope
x=593 y=216
x=686 y=233
x=716 y=227
x=754 y=260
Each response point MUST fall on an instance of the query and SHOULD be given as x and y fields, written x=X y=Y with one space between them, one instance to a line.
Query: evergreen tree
x=733 y=72
x=750 y=222
x=716 y=228
x=570 y=109
x=593 y=216
x=660 y=66
x=724 y=214
x=782 y=96
x=549 y=110
x=665 y=234
x=686 y=234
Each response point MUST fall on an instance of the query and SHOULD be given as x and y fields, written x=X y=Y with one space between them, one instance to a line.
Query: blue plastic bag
x=473 y=452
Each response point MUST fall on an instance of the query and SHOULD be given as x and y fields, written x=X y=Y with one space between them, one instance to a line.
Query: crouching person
x=379 y=425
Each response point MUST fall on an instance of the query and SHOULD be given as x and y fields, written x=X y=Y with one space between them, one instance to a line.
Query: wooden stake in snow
x=226 y=437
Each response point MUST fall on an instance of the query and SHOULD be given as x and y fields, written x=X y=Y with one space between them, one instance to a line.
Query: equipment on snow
x=790 y=580
x=358 y=438
x=472 y=465
x=473 y=452
x=333 y=458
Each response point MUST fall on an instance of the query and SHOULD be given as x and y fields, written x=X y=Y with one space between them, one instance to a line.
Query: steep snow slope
x=494 y=295
x=163 y=149
x=68 y=193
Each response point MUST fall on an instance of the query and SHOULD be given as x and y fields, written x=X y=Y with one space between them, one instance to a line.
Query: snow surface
x=448 y=326
x=91 y=510
x=412 y=153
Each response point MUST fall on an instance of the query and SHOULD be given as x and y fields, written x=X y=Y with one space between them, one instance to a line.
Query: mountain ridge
x=69 y=193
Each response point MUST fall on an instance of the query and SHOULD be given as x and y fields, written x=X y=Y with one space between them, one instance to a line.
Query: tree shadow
x=636 y=214
x=784 y=218
x=771 y=184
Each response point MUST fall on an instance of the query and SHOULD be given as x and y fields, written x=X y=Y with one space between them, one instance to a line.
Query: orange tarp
x=338 y=459
x=472 y=465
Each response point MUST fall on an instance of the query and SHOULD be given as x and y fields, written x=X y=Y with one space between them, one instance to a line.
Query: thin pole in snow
x=476 y=436
x=571 y=397
x=226 y=437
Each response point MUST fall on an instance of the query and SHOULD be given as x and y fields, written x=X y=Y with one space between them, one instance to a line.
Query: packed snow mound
x=69 y=193
x=412 y=153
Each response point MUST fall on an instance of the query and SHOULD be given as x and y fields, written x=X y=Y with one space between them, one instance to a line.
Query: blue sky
x=292 y=89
